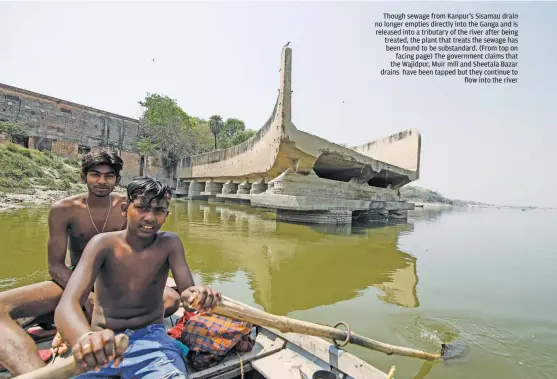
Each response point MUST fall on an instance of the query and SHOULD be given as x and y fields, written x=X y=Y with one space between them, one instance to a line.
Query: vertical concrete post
x=244 y=188
x=212 y=188
x=286 y=84
x=229 y=188
x=195 y=189
x=258 y=187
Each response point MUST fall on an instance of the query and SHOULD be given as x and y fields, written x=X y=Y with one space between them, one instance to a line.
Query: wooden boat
x=277 y=355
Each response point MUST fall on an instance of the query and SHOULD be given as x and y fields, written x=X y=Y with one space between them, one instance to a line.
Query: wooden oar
x=242 y=312
x=66 y=368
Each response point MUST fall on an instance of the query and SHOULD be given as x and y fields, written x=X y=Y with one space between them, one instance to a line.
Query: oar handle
x=66 y=368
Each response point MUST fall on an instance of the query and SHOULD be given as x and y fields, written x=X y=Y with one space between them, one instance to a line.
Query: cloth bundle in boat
x=211 y=337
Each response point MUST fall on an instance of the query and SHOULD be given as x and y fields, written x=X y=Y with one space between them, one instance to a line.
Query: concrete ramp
x=304 y=164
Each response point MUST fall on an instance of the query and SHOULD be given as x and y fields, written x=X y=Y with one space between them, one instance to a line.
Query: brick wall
x=64 y=148
x=56 y=119
x=66 y=128
x=132 y=162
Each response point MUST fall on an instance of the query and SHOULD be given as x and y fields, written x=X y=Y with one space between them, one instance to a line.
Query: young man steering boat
x=128 y=270
x=72 y=222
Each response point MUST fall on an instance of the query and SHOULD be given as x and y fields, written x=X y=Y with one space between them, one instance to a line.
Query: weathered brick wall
x=131 y=169
x=54 y=119
x=64 y=148
x=67 y=128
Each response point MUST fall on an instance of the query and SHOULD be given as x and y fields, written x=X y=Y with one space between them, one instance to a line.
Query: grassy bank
x=31 y=176
x=25 y=170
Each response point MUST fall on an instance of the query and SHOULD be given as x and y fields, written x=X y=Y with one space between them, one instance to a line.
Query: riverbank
x=31 y=177
x=12 y=201
x=35 y=178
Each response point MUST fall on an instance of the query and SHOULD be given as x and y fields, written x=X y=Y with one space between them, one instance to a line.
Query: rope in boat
x=241 y=365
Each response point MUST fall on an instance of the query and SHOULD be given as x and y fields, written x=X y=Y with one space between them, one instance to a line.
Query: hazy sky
x=484 y=142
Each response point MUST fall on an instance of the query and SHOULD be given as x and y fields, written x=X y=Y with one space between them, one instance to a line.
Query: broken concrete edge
x=279 y=145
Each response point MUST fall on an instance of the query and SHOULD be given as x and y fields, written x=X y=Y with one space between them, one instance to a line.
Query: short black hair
x=148 y=187
x=101 y=158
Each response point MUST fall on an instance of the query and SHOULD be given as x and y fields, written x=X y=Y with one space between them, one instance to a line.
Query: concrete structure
x=68 y=129
x=304 y=177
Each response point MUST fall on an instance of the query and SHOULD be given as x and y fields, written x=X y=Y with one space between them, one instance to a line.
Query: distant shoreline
x=423 y=205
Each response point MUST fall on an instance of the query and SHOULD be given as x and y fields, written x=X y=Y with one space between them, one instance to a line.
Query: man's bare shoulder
x=119 y=197
x=69 y=203
x=107 y=239
x=171 y=238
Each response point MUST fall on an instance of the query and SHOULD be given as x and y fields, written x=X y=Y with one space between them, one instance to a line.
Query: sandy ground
x=12 y=201
x=39 y=196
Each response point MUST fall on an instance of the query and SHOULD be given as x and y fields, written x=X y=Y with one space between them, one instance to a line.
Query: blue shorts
x=151 y=354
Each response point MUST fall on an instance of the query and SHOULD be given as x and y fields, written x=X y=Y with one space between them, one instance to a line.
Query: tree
x=168 y=131
x=233 y=133
x=216 y=125
x=12 y=129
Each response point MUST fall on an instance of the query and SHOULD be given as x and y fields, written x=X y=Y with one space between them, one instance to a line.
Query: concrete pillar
x=182 y=187
x=229 y=188
x=258 y=187
x=195 y=189
x=212 y=188
x=244 y=188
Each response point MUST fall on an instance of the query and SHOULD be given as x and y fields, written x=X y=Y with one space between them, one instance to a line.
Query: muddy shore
x=39 y=197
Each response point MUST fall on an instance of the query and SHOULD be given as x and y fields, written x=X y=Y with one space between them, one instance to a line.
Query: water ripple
x=6 y=283
x=526 y=352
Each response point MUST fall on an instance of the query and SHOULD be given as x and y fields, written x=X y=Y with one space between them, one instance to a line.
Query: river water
x=484 y=277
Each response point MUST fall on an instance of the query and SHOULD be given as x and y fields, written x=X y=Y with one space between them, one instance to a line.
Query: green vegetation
x=24 y=170
x=167 y=131
x=12 y=129
x=417 y=194
x=233 y=133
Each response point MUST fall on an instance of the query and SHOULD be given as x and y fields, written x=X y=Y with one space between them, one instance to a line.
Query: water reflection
x=289 y=266
x=23 y=235
x=295 y=267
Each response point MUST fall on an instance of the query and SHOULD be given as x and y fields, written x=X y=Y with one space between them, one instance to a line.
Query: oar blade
x=453 y=351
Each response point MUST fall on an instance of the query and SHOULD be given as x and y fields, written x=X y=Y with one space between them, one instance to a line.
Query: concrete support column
x=195 y=189
x=258 y=187
x=212 y=188
x=244 y=188
x=182 y=187
x=229 y=188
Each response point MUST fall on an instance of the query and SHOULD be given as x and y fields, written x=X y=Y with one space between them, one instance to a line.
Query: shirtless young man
x=129 y=270
x=72 y=223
